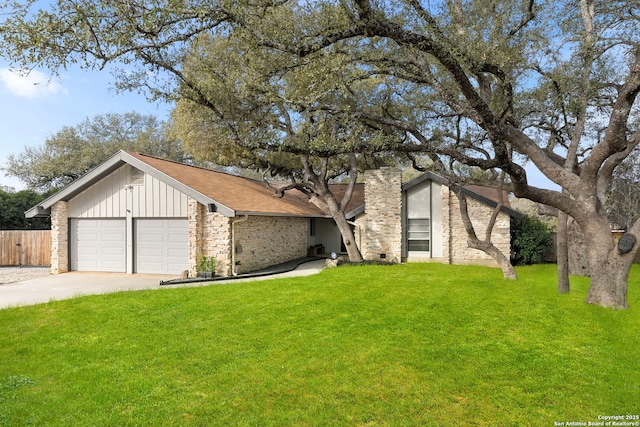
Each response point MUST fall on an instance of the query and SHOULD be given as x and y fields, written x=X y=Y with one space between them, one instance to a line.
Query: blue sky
x=37 y=106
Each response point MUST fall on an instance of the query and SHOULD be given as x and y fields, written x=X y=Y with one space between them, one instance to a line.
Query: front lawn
x=405 y=345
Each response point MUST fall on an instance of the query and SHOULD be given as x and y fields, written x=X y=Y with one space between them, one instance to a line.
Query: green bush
x=531 y=238
x=207 y=264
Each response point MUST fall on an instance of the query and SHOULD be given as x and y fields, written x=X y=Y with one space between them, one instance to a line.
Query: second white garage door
x=162 y=246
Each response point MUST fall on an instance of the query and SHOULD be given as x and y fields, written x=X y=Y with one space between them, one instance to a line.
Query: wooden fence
x=25 y=247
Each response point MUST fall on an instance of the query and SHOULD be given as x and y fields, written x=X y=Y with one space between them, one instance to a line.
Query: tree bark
x=562 y=249
x=486 y=246
x=326 y=201
x=345 y=229
x=609 y=281
x=608 y=267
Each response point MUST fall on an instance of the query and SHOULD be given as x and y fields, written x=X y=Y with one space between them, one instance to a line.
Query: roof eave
x=492 y=203
x=114 y=162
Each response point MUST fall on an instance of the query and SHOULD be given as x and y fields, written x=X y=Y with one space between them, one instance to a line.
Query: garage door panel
x=161 y=245
x=154 y=252
x=107 y=250
x=177 y=238
x=98 y=245
x=109 y=237
x=174 y=252
x=151 y=238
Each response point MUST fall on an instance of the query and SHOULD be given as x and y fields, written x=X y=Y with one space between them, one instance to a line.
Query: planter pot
x=206 y=274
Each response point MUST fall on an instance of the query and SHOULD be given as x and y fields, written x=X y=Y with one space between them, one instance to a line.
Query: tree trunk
x=608 y=267
x=345 y=228
x=508 y=272
x=486 y=246
x=609 y=281
x=562 y=249
x=324 y=199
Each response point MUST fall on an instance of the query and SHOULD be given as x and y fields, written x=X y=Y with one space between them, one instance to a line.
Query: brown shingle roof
x=243 y=195
x=490 y=193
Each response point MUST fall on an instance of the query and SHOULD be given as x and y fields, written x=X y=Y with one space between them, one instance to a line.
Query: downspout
x=233 y=243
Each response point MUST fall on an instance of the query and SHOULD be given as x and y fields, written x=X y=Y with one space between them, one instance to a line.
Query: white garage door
x=98 y=245
x=162 y=246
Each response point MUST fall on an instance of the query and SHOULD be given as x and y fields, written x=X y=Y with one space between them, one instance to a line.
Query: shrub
x=207 y=264
x=531 y=238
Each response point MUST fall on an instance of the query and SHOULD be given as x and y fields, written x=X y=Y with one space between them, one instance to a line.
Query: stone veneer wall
x=209 y=235
x=262 y=241
x=455 y=236
x=381 y=226
x=60 y=237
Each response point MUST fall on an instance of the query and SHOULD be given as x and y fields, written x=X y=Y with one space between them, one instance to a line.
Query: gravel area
x=18 y=274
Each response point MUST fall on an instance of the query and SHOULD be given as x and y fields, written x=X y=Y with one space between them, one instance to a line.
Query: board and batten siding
x=114 y=194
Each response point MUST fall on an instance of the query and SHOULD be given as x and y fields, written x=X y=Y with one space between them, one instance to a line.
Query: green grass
x=405 y=345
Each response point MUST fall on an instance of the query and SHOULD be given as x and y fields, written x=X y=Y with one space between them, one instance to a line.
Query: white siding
x=424 y=201
x=105 y=199
x=109 y=198
x=436 y=220
x=418 y=222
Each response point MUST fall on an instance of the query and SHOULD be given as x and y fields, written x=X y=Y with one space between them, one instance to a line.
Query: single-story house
x=140 y=214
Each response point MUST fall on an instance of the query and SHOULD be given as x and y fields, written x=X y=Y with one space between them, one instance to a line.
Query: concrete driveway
x=75 y=284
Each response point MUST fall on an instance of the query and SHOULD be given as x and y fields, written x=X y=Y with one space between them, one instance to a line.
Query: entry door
x=98 y=245
x=161 y=245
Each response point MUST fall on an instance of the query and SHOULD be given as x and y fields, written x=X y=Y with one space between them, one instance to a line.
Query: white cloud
x=32 y=84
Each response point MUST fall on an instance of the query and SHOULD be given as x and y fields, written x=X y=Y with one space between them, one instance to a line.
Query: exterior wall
x=209 y=235
x=326 y=234
x=380 y=231
x=119 y=194
x=261 y=241
x=480 y=215
x=59 y=238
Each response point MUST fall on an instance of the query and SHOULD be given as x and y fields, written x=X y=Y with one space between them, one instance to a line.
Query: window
x=418 y=235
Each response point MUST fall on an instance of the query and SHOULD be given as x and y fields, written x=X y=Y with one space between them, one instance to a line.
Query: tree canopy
x=488 y=84
x=250 y=109
x=74 y=150
x=13 y=205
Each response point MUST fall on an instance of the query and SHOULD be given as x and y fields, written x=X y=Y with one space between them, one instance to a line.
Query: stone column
x=59 y=238
x=195 y=218
x=382 y=228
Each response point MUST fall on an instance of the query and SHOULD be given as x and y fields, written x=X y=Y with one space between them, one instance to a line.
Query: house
x=420 y=220
x=140 y=214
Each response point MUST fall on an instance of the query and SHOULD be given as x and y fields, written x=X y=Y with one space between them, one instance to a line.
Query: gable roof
x=230 y=195
x=486 y=195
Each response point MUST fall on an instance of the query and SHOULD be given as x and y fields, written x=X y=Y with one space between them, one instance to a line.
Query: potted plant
x=207 y=267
